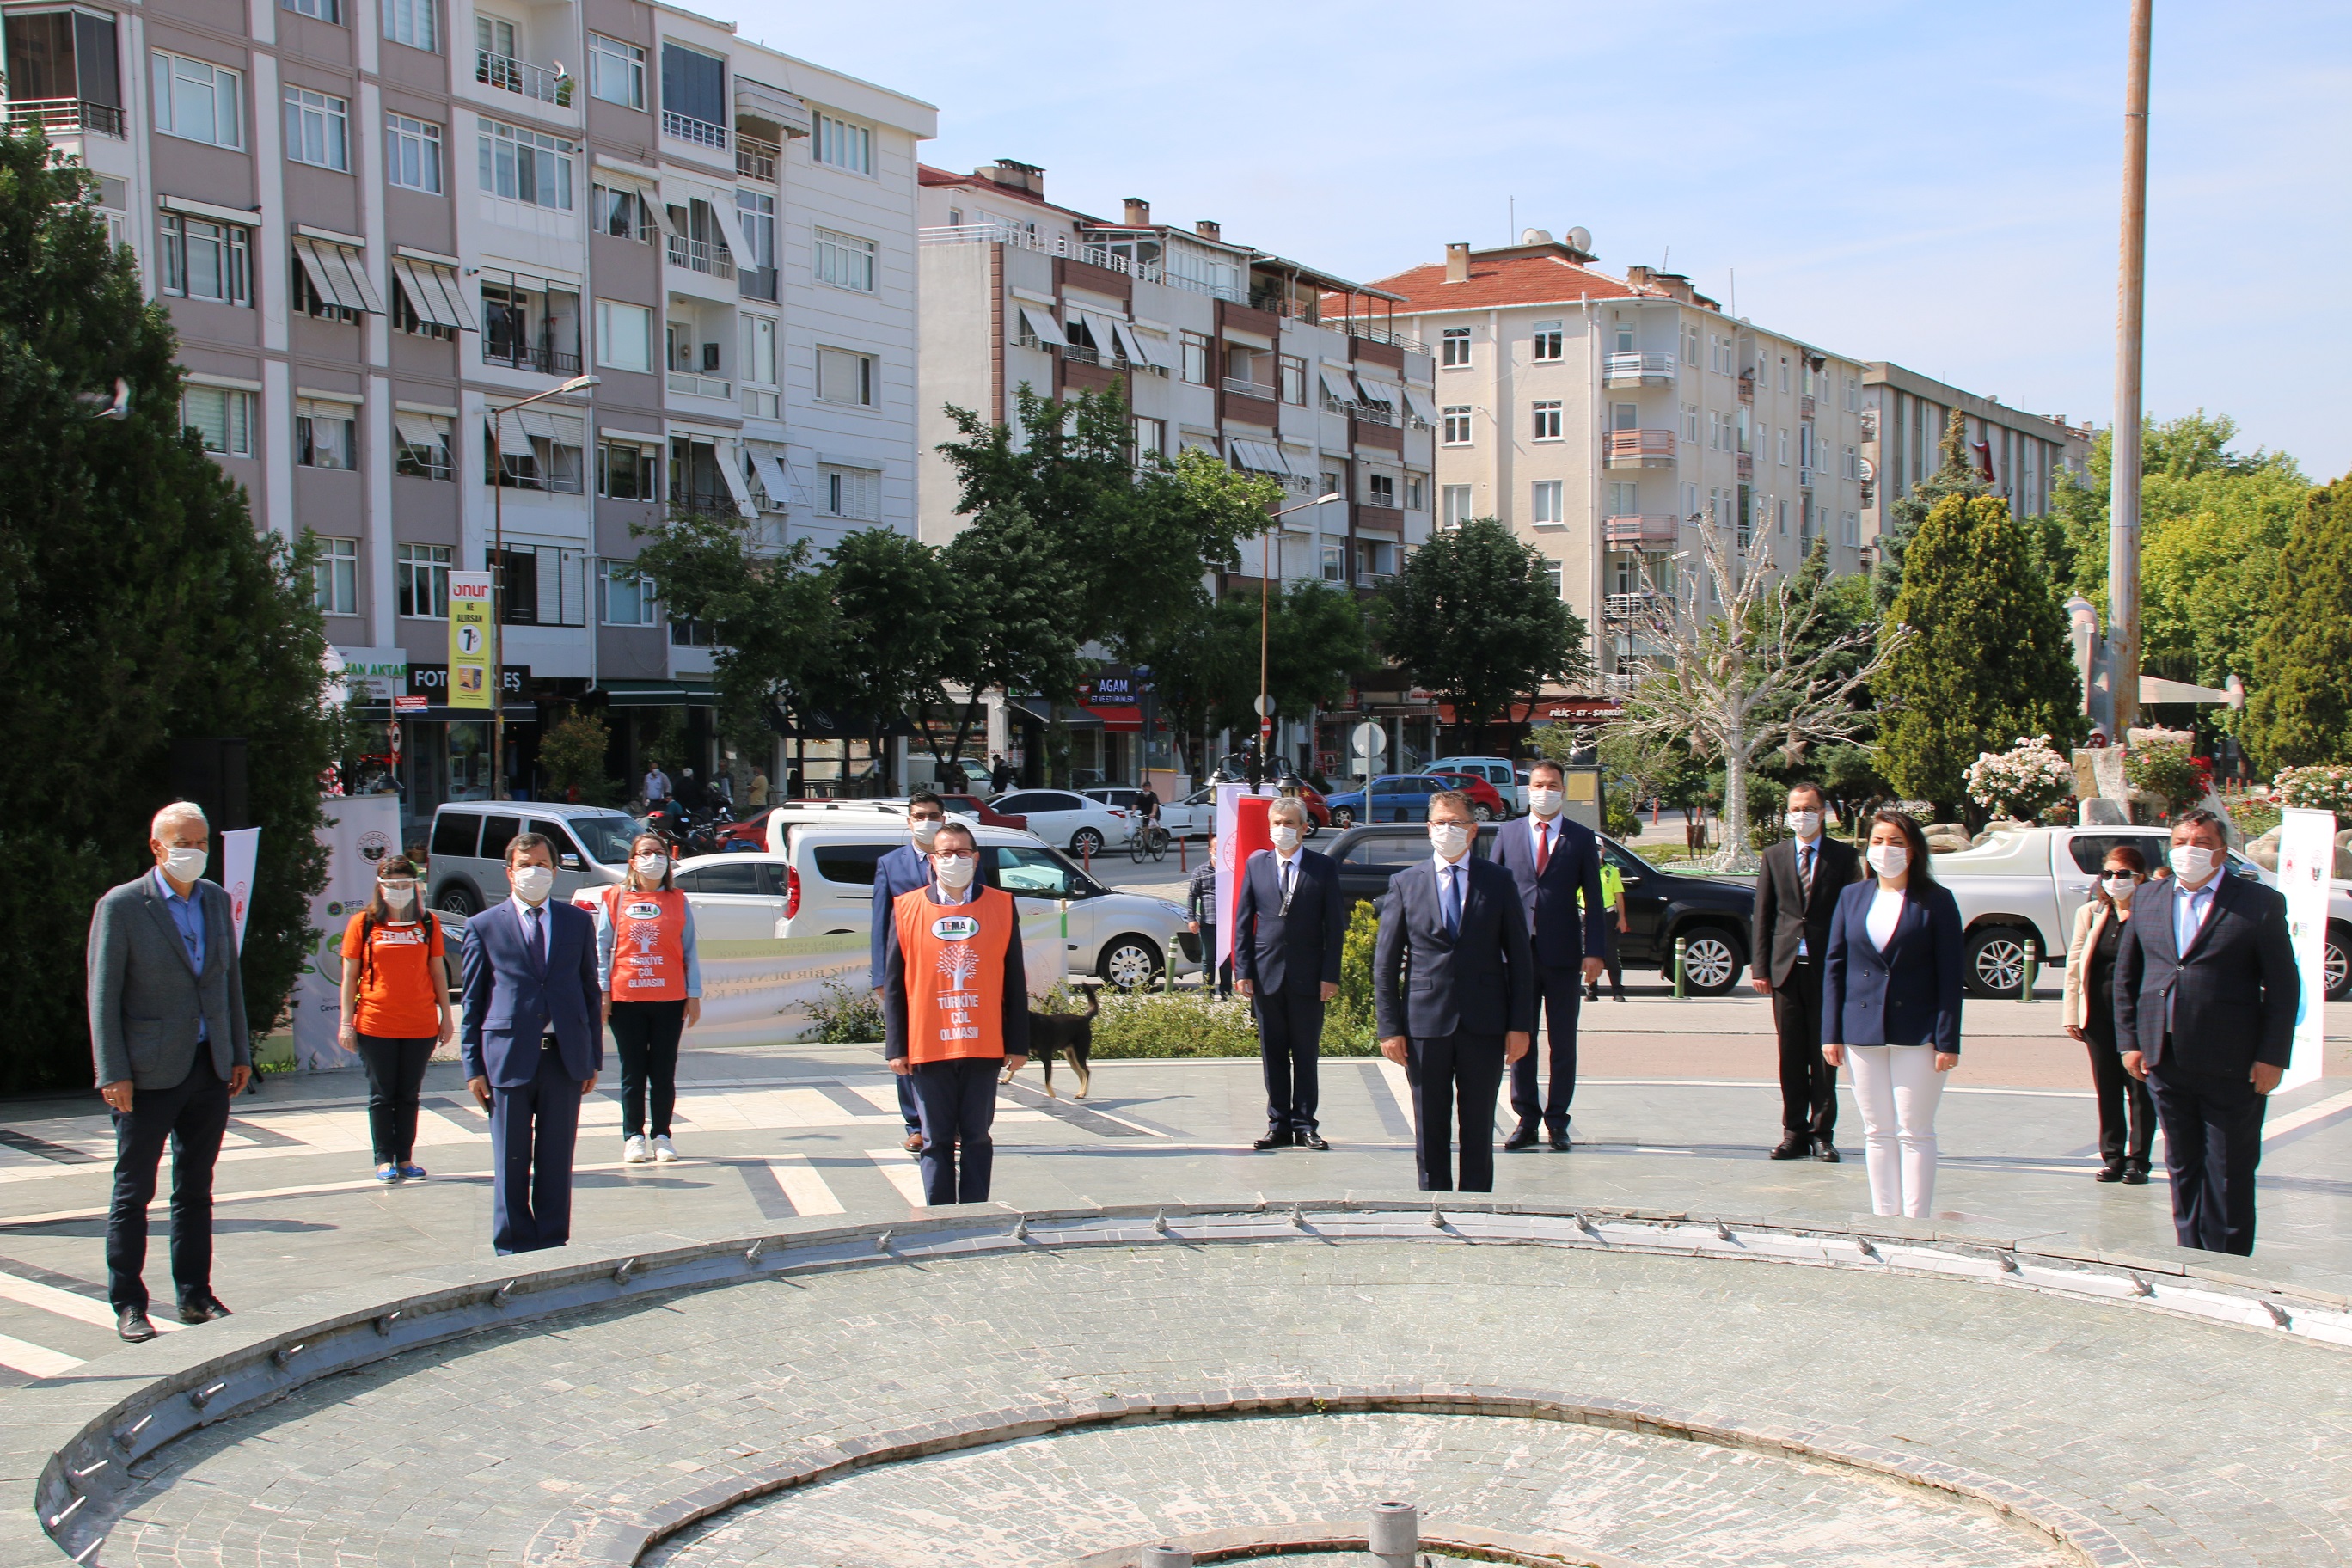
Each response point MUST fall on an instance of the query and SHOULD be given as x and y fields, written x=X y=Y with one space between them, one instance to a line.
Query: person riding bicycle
x=1147 y=805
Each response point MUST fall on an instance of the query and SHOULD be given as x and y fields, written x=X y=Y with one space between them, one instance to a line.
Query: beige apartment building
x=1904 y=413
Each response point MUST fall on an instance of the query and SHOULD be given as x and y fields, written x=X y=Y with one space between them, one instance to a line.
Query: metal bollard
x=1682 y=948
x=1393 y=1535
x=2030 y=963
x=1164 y=1557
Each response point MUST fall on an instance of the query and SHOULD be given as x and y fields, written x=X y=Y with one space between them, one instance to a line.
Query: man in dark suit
x=1453 y=982
x=2205 y=991
x=1552 y=860
x=532 y=1043
x=167 y=1036
x=1796 y=893
x=1289 y=921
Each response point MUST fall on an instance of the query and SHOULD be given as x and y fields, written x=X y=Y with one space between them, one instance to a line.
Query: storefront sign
x=429 y=683
x=375 y=673
x=470 y=640
x=406 y=704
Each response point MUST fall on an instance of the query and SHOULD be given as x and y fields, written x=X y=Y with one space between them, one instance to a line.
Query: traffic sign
x=1370 y=740
x=1264 y=706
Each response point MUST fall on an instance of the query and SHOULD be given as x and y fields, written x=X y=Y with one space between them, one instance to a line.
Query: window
x=1455 y=348
x=628 y=470
x=624 y=336
x=1416 y=497
x=206 y=261
x=197 y=101
x=325 y=434
x=845 y=262
x=325 y=11
x=1151 y=436
x=1714 y=431
x=1849 y=529
x=843 y=145
x=694 y=95
x=335 y=577
x=412 y=153
x=843 y=376
x=1690 y=345
x=317 y=129
x=1552 y=577
x=222 y=416
x=1546 y=344
x=1783 y=445
x=1380 y=489
x=850 y=492
x=624 y=597
x=1196 y=359
x=416 y=22
x=535 y=449
x=303 y=292
x=617 y=72
x=1625 y=498
x=1334 y=567
x=525 y=165
x=405 y=315
x=423 y=451
x=1546 y=500
x=420 y=580
x=1853 y=469
x=1455 y=424
x=755 y=368
x=622 y=213
x=1781 y=518
x=1293 y=371
x=1456 y=501
x=1852 y=396
x=756 y=273
x=1548 y=421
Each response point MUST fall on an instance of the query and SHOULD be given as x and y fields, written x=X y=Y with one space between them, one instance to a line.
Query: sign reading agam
x=2306 y=856
x=469 y=639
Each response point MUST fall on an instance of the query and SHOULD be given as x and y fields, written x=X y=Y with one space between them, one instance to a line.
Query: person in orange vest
x=652 y=981
x=955 y=1011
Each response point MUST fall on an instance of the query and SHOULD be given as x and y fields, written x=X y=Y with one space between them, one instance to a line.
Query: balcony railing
x=693 y=386
x=755 y=159
x=1372 y=335
x=1637 y=450
x=1643 y=368
x=1243 y=386
x=686 y=128
x=701 y=256
x=1274 y=304
x=1634 y=607
x=1642 y=530
x=1100 y=256
x=505 y=71
x=56 y=114
x=1805 y=406
x=1744 y=463
x=546 y=360
x=1746 y=387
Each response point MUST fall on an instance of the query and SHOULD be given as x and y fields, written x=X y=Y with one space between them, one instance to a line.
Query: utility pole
x=2131 y=299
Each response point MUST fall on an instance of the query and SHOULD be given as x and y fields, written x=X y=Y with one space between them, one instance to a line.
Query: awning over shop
x=658 y=694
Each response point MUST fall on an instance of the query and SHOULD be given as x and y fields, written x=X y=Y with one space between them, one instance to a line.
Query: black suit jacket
x=1274 y=949
x=1563 y=935
x=1784 y=916
x=1909 y=994
x=1428 y=984
x=2232 y=996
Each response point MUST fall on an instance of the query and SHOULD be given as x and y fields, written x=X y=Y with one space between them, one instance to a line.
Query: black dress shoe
x=1273 y=1141
x=1825 y=1151
x=1793 y=1147
x=2134 y=1175
x=1560 y=1142
x=2111 y=1171
x=202 y=1309
x=131 y=1323
x=1524 y=1138
x=1311 y=1139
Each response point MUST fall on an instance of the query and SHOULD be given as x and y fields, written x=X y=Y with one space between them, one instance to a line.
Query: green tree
x=1013 y=632
x=896 y=609
x=1987 y=657
x=573 y=752
x=771 y=617
x=1955 y=474
x=2299 y=693
x=1476 y=620
x=136 y=605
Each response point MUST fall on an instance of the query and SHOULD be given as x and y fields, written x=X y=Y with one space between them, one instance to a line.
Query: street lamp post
x=1264 y=577
x=498 y=579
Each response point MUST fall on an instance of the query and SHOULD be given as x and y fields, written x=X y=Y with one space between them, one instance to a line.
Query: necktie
x=1289 y=871
x=1805 y=870
x=538 y=938
x=1543 y=847
x=1451 y=899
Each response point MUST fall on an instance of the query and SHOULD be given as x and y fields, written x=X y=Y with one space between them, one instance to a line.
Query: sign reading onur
x=469 y=639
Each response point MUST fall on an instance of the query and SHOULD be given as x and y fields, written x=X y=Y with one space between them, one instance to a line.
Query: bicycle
x=1150 y=839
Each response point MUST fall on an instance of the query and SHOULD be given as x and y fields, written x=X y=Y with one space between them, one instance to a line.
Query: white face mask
x=185 y=865
x=1805 y=823
x=1889 y=860
x=2120 y=889
x=955 y=872
x=925 y=829
x=1286 y=840
x=1542 y=801
x=650 y=867
x=2192 y=862
x=400 y=900
x=1452 y=838
x=532 y=883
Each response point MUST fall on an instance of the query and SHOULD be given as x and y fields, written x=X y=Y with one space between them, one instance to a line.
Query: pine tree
x=1989 y=657
x=2299 y=695
x=1954 y=475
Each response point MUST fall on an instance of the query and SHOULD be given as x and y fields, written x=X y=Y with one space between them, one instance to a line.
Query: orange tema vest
x=955 y=972
x=648 y=944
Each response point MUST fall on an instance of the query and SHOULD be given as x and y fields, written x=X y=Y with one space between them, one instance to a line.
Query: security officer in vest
x=955 y=1011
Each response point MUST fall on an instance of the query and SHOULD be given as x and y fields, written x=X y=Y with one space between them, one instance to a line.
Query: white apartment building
x=1904 y=413
x=379 y=223
x=1276 y=367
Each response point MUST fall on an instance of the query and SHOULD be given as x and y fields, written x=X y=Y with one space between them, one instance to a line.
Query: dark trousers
x=532 y=1129
x=909 y=1110
x=190 y=1117
x=2127 y=1108
x=2212 y=1141
x=645 y=1036
x=1289 y=1045
x=958 y=1100
x=1808 y=1083
x=1558 y=991
x=395 y=1073
x=1614 y=964
x=1212 y=973
x=1459 y=1075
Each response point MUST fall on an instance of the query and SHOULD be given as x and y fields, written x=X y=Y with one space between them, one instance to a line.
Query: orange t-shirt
x=396 y=999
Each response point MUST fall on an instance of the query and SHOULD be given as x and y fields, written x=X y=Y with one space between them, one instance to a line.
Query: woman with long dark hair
x=2127 y=1108
x=1891 y=991
x=652 y=979
x=396 y=1008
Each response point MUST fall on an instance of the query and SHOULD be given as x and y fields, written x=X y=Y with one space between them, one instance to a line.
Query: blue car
x=1391 y=797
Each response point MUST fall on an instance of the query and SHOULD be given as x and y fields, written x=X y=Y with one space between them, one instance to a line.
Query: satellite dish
x=1534 y=237
x=1579 y=239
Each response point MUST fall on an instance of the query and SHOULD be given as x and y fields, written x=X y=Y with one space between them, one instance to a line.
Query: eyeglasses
x=956 y=854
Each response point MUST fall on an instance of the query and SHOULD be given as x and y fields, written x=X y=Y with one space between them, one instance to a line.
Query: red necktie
x=1543 y=847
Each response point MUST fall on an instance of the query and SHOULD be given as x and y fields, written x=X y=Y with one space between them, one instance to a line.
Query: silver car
x=468 y=850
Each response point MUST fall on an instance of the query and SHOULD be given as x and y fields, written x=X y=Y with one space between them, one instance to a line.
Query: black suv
x=1712 y=913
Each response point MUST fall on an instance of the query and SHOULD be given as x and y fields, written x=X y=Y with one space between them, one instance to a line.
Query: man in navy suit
x=2206 y=990
x=1453 y=982
x=532 y=1043
x=1550 y=858
x=1289 y=921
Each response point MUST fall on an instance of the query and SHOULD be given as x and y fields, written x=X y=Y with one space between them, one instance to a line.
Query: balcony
x=1643 y=368
x=1745 y=464
x=1243 y=386
x=1634 y=607
x=1805 y=406
x=511 y=75
x=701 y=256
x=755 y=159
x=1637 y=450
x=542 y=358
x=693 y=386
x=1372 y=335
x=686 y=128
x=1746 y=387
x=56 y=115
x=1642 y=530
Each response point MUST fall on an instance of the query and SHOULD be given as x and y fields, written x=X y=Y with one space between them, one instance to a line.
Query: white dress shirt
x=544 y=925
x=1805 y=846
x=2189 y=911
x=1286 y=874
x=1457 y=868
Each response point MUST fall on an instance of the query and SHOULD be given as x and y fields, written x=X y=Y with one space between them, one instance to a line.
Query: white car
x=1063 y=816
x=1189 y=818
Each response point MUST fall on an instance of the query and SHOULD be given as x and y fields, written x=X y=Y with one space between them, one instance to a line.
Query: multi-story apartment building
x=381 y=223
x=1276 y=367
x=1904 y=415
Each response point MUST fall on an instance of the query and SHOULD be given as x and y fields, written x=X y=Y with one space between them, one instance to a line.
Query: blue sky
x=1930 y=184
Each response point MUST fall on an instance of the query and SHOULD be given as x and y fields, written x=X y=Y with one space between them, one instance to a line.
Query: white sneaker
x=635 y=1151
x=662 y=1151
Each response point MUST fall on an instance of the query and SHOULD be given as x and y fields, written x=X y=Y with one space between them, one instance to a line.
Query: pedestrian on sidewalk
x=651 y=976
x=657 y=784
x=167 y=1035
x=1613 y=904
x=2126 y=1109
x=1200 y=920
x=1797 y=890
x=395 y=1009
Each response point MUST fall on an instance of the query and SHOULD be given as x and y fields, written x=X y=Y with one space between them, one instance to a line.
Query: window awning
x=516 y=426
x=337 y=273
x=1131 y=343
x=1261 y=456
x=1375 y=392
x=434 y=292
x=739 y=240
x=1337 y=384
x=772 y=475
x=730 y=467
x=417 y=429
x=757 y=97
x=1105 y=331
x=1154 y=347
x=1418 y=405
x=1042 y=325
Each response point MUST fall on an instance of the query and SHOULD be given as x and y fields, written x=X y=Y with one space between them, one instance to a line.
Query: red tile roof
x=1505 y=281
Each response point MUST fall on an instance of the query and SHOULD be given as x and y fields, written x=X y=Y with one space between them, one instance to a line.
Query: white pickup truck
x=2029 y=883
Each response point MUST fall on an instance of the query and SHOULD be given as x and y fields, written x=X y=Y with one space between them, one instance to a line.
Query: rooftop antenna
x=1511 y=234
x=1667 y=265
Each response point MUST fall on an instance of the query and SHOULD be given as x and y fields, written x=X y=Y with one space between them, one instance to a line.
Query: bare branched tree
x=1741 y=663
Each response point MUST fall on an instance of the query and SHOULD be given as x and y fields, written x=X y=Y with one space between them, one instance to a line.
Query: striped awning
x=434 y=292
x=339 y=273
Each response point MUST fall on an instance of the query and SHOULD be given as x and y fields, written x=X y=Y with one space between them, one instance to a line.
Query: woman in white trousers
x=1891 y=988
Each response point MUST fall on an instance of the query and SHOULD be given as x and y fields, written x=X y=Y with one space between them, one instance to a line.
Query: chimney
x=1209 y=228
x=1458 y=262
x=1016 y=176
x=1139 y=212
x=1638 y=277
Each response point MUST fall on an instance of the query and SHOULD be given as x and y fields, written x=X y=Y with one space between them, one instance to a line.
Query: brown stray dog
x=1070 y=1035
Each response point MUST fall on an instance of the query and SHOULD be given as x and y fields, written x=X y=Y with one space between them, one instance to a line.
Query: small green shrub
x=2253 y=814
x=2165 y=769
x=849 y=1016
x=1173 y=1024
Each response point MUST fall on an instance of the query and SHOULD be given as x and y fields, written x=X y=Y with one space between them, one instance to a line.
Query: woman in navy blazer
x=1891 y=1005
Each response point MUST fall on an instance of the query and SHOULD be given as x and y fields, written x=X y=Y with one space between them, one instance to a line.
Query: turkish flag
x=1241 y=833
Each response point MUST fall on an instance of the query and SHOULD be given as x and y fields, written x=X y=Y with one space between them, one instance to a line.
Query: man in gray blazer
x=167 y=1035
